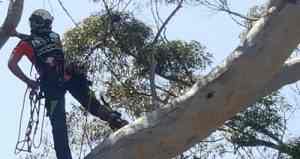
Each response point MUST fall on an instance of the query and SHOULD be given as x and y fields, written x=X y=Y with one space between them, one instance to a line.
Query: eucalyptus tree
x=159 y=81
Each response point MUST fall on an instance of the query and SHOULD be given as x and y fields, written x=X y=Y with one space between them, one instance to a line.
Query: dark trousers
x=55 y=103
x=78 y=87
x=56 y=112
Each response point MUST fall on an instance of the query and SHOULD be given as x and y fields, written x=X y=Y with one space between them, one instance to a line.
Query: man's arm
x=16 y=70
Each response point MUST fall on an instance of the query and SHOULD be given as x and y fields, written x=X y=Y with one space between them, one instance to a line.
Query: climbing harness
x=28 y=141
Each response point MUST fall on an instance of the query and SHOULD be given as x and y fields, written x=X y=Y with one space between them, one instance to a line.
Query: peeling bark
x=255 y=68
x=11 y=21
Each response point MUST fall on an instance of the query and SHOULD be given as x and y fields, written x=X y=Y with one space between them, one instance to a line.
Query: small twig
x=222 y=5
x=166 y=22
x=238 y=14
x=126 y=5
x=68 y=13
x=155 y=14
x=153 y=60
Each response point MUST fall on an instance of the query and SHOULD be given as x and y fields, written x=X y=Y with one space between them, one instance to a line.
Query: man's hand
x=32 y=84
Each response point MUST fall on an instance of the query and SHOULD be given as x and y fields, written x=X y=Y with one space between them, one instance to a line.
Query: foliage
x=262 y=125
x=119 y=47
x=260 y=128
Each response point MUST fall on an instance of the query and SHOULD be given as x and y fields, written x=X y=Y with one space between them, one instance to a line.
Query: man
x=44 y=49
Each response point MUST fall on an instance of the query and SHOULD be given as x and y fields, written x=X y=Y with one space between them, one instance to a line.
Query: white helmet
x=40 y=19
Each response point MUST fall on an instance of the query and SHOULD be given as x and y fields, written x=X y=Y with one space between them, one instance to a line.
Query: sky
x=215 y=30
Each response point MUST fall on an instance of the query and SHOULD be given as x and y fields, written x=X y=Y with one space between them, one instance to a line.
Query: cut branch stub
x=11 y=21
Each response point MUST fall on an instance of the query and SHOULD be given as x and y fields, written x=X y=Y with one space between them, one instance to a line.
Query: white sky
x=217 y=31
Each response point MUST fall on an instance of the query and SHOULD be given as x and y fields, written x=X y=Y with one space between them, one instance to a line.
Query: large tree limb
x=11 y=21
x=229 y=89
x=288 y=74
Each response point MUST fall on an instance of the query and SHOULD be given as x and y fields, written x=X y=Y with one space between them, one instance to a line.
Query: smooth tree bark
x=254 y=69
x=11 y=21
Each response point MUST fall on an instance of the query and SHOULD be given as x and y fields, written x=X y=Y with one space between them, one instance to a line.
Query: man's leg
x=78 y=87
x=56 y=113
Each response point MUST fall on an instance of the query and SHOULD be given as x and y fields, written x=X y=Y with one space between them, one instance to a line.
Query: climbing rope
x=28 y=141
x=84 y=132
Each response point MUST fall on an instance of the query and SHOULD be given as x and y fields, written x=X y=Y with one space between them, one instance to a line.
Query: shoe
x=115 y=121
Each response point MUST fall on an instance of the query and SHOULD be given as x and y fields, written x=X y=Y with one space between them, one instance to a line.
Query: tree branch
x=230 y=88
x=11 y=21
x=288 y=74
x=222 y=5
x=258 y=142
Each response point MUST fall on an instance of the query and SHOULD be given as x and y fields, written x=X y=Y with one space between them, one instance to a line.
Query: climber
x=44 y=49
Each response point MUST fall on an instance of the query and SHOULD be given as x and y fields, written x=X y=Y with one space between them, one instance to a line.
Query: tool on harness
x=35 y=96
x=29 y=140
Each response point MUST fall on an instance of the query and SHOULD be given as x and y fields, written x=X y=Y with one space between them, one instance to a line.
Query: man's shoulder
x=23 y=47
x=23 y=43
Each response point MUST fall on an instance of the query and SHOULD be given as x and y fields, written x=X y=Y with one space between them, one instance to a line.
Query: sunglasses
x=37 y=19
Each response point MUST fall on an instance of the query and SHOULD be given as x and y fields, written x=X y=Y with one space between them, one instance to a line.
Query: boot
x=115 y=121
x=78 y=87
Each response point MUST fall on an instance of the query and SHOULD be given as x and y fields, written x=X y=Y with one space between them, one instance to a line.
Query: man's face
x=36 y=22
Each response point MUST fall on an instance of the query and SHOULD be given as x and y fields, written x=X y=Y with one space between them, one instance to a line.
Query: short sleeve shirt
x=24 y=48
